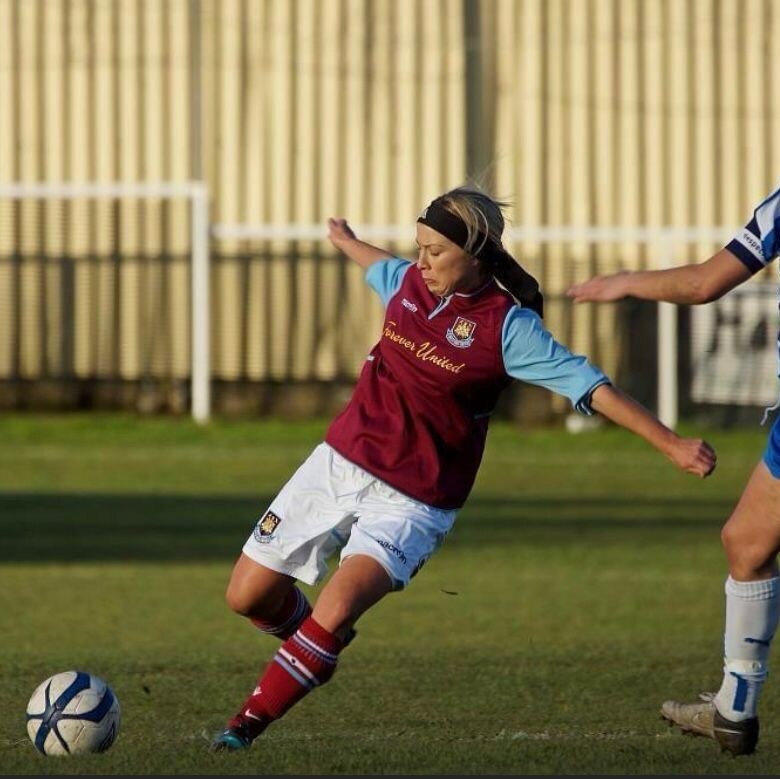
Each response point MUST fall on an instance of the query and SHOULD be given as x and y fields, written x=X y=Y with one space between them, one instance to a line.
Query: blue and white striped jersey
x=758 y=243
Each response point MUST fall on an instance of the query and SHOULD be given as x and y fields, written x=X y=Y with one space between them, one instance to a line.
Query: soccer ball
x=72 y=713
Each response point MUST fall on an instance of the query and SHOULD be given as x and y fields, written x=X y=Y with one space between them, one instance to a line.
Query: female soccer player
x=401 y=458
x=751 y=536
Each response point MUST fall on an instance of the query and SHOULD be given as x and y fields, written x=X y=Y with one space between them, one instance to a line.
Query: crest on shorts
x=266 y=526
x=461 y=333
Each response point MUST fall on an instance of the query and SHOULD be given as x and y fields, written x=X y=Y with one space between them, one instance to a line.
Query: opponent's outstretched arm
x=344 y=239
x=687 y=284
x=692 y=455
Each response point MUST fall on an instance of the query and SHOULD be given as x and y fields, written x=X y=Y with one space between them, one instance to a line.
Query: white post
x=201 y=312
x=667 y=347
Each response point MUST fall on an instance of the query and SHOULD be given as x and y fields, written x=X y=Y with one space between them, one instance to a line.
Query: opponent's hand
x=339 y=231
x=600 y=289
x=693 y=455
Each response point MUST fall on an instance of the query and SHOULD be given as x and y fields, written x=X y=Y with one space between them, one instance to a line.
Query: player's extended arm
x=344 y=239
x=700 y=283
x=692 y=455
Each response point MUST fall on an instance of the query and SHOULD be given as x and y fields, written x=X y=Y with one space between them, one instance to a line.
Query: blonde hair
x=481 y=214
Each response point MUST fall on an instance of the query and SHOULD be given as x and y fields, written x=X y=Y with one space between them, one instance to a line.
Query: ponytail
x=518 y=282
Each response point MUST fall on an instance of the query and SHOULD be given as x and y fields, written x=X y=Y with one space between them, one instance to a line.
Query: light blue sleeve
x=385 y=276
x=532 y=355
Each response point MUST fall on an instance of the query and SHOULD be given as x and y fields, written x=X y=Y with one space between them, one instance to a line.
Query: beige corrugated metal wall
x=605 y=112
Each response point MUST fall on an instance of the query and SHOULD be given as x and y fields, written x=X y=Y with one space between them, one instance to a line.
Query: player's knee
x=748 y=556
x=236 y=601
x=249 y=603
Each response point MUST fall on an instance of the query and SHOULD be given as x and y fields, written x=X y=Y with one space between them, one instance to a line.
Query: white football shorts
x=330 y=504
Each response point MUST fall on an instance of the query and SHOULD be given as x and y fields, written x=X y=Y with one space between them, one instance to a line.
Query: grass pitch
x=581 y=586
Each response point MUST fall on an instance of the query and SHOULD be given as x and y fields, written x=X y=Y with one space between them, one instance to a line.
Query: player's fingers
x=706 y=462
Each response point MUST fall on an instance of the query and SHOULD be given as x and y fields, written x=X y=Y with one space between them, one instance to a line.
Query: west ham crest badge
x=265 y=527
x=461 y=333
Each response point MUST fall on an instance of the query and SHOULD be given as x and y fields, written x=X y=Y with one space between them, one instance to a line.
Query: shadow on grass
x=90 y=527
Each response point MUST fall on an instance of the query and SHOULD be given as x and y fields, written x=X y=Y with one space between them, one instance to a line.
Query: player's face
x=444 y=266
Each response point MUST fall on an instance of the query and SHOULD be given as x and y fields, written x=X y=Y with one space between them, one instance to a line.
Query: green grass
x=581 y=586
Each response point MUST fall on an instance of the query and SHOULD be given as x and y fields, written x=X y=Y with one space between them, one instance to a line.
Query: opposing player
x=751 y=536
x=400 y=460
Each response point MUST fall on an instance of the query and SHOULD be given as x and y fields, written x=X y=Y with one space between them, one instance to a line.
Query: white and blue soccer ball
x=72 y=713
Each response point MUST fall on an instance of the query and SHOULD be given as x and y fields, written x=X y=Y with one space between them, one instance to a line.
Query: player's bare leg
x=751 y=539
x=308 y=658
x=269 y=599
x=358 y=584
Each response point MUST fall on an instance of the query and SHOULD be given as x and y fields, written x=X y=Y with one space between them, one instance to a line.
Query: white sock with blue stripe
x=752 y=612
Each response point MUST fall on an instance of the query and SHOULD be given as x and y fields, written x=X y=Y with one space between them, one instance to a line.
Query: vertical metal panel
x=303 y=338
x=331 y=175
x=653 y=65
x=704 y=99
x=176 y=167
x=769 y=86
x=228 y=208
x=555 y=187
x=455 y=103
x=383 y=114
x=577 y=162
x=52 y=74
x=8 y=87
x=256 y=120
x=430 y=115
x=128 y=79
x=154 y=341
x=357 y=182
x=104 y=119
x=760 y=62
x=629 y=123
x=506 y=29
x=28 y=112
x=602 y=174
x=79 y=167
x=729 y=44
x=8 y=171
x=381 y=127
x=405 y=115
x=520 y=153
x=281 y=45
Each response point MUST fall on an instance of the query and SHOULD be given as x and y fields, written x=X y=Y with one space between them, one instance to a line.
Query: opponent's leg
x=309 y=657
x=751 y=538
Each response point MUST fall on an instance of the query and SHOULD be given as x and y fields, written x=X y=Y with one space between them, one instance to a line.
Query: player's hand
x=339 y=231
x=693 y=455
x=600 y=289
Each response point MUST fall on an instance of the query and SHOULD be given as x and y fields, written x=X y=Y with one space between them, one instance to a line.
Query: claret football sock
x=304 y=661
x=752 y=611
x=294 y=611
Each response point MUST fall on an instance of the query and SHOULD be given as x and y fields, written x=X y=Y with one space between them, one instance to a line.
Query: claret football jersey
x=419 y=413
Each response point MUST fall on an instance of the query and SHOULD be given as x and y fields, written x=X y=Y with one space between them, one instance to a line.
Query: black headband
x=498 y=260
x=439 y=218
